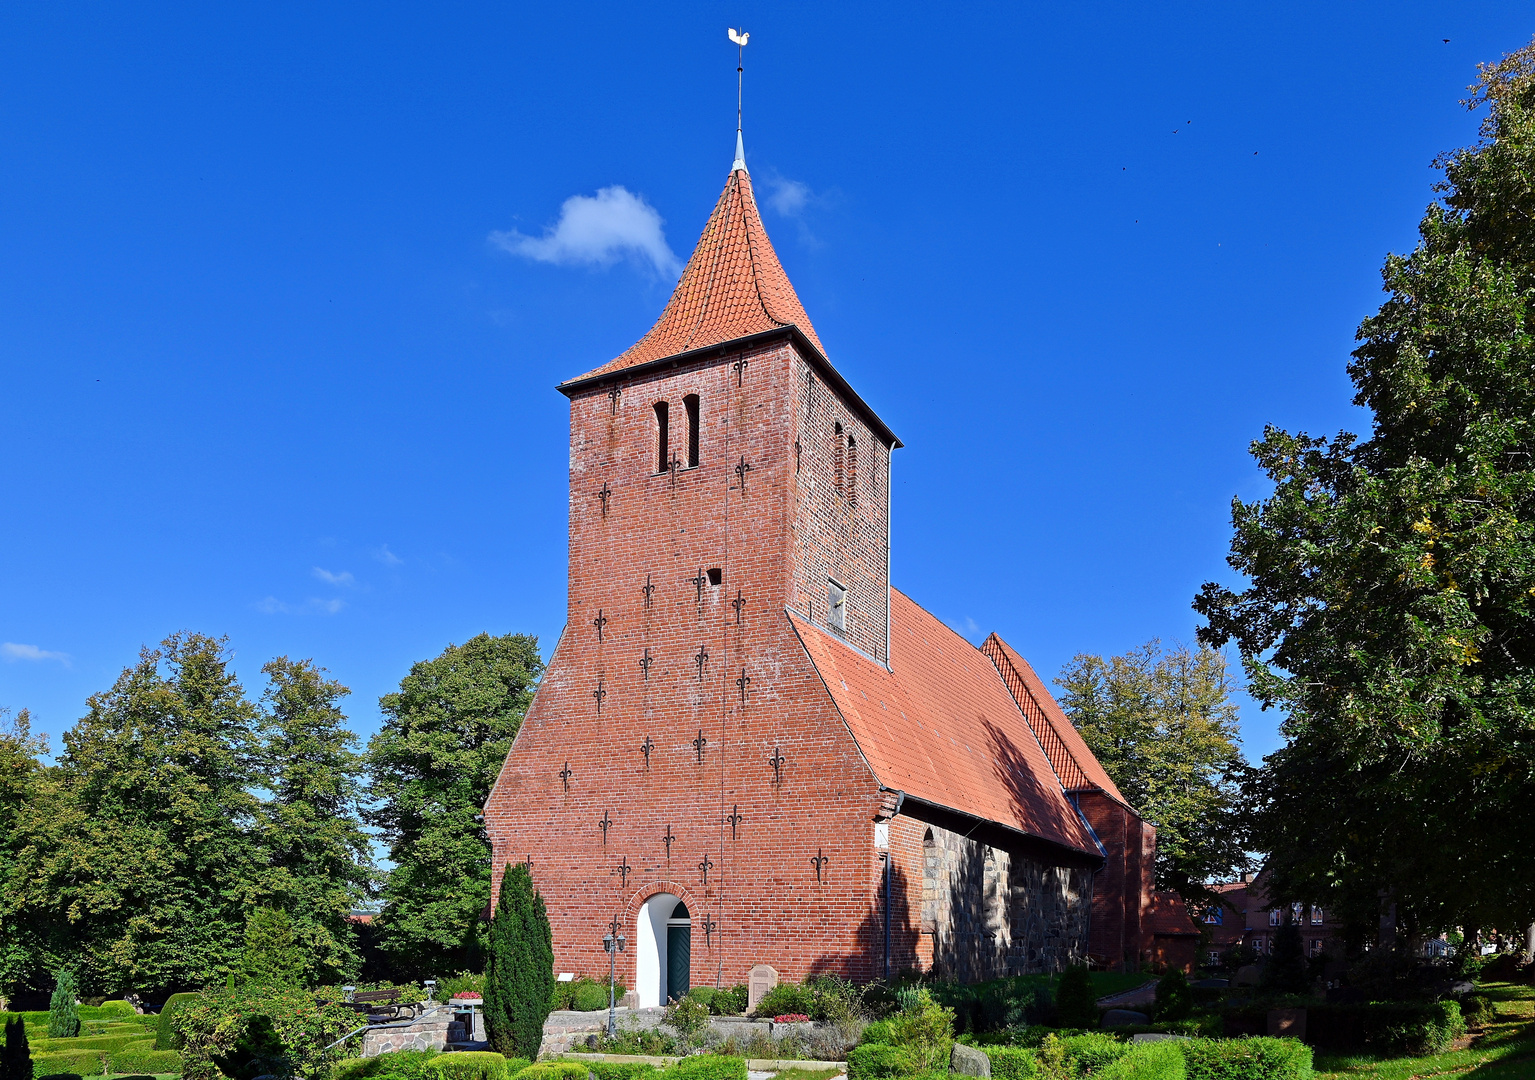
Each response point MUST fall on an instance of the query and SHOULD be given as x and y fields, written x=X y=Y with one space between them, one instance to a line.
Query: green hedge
x=398 y=1064
x=554 y=1070
x=624 y=1070
x=1011 y=1062
x=1246 y=1059
x=165 y=1036
x=144 y=1060
x=84 y=1062
x=877 y=1032
x=708 y=1067
x=110 y=1044
x=59 y=1076
x=469 y=1065
x=879 y=1061
x=1093 y=1051
x=1147 y=1061
x=1387 y=1027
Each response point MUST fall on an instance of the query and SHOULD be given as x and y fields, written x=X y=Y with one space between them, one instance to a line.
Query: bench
x=389 y=1003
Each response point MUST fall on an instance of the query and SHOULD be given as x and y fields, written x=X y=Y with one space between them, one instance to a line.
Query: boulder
x=968 y=1061
x=1247 y=975
x=1124 y=1018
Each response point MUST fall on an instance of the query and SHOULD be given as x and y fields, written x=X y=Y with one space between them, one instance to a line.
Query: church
x=749 y=747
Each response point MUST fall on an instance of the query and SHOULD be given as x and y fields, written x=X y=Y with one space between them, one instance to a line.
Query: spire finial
x=739 y=37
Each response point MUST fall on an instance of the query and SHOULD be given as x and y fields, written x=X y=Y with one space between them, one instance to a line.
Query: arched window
x=840 y=464
x=690 y=405
x=852 y=471
x=663 y=436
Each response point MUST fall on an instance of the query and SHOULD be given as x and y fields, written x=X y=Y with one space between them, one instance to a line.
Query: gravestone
x=762 y=979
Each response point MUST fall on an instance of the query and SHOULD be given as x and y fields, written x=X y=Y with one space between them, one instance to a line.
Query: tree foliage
x=1164 y=728
x=272 y=955
x=23 y=952
x=519 y=975
x=445 y=736
x=1390 y=604
x=316 y=860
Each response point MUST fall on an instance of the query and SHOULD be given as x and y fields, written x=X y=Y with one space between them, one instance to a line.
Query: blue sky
x=285 y=289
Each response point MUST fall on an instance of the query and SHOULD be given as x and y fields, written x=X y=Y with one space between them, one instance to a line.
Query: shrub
x=730 y=1002
x=396 y=1064
x=876 y=1033
x=687 y=1018
x=1287 y=970
x=463 y=982
x=16 y=1056
x=84 y=1062
x=1092 y=1051
x=1076 y=1005
x=165 y=1037
x=63 y=1009
x=1011 y=1062
x=516 y=1065
x=708 y=1067
x=623 y=1070
x=1477 y=1010
x=879 y=1061
x=927 y=1030
x=554 y=1070
x=470 y=1065
x=1175 y=1000
x=1385 y=1027
x=1147 y=1061
x=263 y=1028
x=519 y=979
x=785 y=998
x=1246 y=1059
x=144 y=1059
x=590 y=995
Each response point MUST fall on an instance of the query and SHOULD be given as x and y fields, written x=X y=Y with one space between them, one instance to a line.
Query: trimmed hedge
x=401 y=1064
x=142 y=1059
x=708 y=1067
x=1260 y=1058
x=553 y=1070
x=165 y=1037
x=110 y=1044
x=1093 y=1051
x=624 y=1070
x=469 y=1065
x=879 y=1061
x=84 y=1062
x=1147 y=1061
x=60 y=1076
x=1011 y=1062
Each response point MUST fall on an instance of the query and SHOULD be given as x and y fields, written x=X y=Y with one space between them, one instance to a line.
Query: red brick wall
x=762 y=887
x=1122 y=889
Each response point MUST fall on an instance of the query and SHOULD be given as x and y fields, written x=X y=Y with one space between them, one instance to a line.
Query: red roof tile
x=732 y=286
x=1073 y=762
x=940 y=726
x=1166 y=915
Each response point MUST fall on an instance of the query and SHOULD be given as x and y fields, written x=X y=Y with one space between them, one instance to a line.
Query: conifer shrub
x=877 y=1032
x=63 y=1009
x=1092 y=1051
x=1076 y=1004
x=16 y=1055
x=1175 y=998
x=519 y=977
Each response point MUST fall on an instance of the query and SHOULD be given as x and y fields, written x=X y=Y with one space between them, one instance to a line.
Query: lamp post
x=613 y=943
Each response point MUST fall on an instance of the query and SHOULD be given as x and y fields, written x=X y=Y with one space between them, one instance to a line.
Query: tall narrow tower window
x=852 y=471
x=840 y=478
x=836 y=607
x=690 y=403
x=663 y=435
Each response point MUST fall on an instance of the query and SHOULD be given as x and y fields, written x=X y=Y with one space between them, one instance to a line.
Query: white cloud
x=343 y=578
x=271 y=606
x=597 y=231
x=787 y=197
x=387 y=557
x=326 y=607
x=13 y=652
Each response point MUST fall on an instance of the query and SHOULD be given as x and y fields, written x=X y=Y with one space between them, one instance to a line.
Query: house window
x=1316 y=916
x=690 y=405
x=1214 y=958
x=663 y=436
x=1316 y=946
x=716 y=575
x=1273 y=916
x=836 y=607
x=1297 y=912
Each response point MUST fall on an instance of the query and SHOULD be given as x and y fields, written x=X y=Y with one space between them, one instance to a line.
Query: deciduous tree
x=1389 y=609
x=1165 y=730
x=22 y=952
x=445 y=736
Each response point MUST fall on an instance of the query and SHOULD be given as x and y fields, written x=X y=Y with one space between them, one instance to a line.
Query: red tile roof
x=1069 y=756
x=940 y=726
x=732 y=286
x=1167 y=916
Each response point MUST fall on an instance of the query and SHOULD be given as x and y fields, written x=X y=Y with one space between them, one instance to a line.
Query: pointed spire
x=739 y=164
x=732 y=286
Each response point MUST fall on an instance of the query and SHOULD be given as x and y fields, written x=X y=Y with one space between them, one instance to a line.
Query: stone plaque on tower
x=762 y=979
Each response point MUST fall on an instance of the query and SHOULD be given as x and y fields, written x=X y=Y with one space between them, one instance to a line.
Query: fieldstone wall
x=992 y=913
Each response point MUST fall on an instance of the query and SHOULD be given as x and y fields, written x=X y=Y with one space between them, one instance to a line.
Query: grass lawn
x=1505 y=1049
x=799 y=1073
x=1106 y=983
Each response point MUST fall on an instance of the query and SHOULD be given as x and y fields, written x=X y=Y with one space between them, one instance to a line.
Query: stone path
x=1128 y=999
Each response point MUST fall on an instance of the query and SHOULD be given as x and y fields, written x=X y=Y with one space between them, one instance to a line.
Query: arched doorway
x=664 y=950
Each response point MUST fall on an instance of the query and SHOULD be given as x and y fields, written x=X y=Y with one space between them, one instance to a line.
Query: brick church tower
x=748 y=748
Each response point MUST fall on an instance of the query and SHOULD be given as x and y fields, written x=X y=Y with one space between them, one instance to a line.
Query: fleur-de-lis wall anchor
x=742 y=468
x=711 y=927
x=647 y=589
x=605 y=493
x=699 y=744
x=734 y=818
x=645 y=748
x=600 y=693
x=701 y=661
x=623 y=870
x=819 y=860
x=605 y=824
x=743 y=682
x=738 y=603
x=599 y=622
x=615 y=395
x=704 y=868
x=565 y=775
x=699 y=580
x=645 y=662
x=777 y=761
x=740 y=366
x=669 y=839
